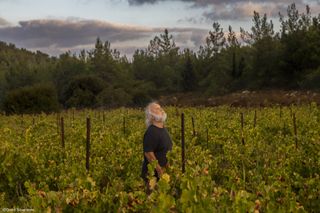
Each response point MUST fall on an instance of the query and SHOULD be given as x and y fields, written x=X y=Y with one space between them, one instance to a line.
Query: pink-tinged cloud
x=3 y=22
x=244 y=11
x=68 y=33
x=238 y=9
x=57 y=36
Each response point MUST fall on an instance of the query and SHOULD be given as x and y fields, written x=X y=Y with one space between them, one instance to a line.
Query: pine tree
x=188 y=75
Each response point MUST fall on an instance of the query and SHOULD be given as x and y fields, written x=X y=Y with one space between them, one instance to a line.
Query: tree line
x=261 y=58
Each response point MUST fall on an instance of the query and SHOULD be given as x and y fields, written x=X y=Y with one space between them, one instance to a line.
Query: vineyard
x=236 y=160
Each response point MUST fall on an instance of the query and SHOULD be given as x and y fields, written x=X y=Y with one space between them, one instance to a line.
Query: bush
x=311 y=80
x=143 y=93
x=31 y=99
x=113 y=97
x=82 y=92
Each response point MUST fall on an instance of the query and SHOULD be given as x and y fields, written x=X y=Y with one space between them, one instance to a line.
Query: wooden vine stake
x=193 y=129
x=88 y=143
x=124 y=125
x=58 y=123
x=182 y=143
x=207 y=130
x=242 y=124
x=62 y=131
x=295 y=130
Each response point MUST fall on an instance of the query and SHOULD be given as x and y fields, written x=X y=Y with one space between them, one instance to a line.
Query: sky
x=57 y=26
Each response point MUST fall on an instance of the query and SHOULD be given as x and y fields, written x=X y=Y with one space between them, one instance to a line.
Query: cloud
x=64 y=33
x=190 y=38
x=57 y=36
x=211 y=2
x=140 y=2
x=241 y=11
x=216 y=10
x=3 y=22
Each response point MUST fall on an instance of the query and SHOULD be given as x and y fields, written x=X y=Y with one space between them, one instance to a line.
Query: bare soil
x=244 y=98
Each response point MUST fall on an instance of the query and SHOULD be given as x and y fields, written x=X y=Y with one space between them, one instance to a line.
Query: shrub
x=82 y=91
x=113 y=97
x=31 y=99
x=311 y=81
